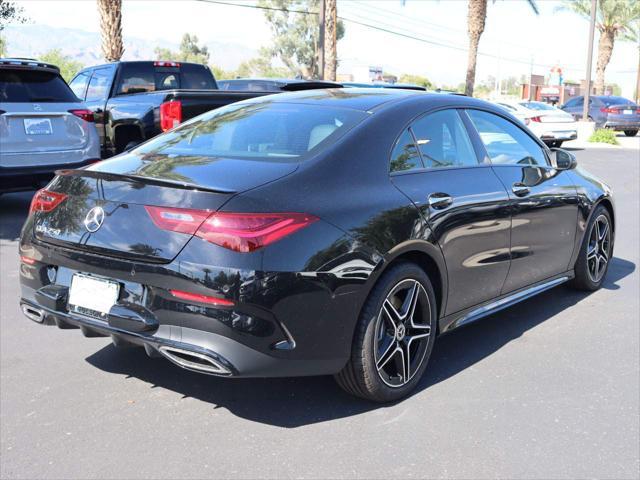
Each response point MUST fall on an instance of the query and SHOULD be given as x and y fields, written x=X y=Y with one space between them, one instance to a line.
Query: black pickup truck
x=134 y=101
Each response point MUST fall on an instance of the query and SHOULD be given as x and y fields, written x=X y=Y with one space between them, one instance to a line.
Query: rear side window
x=196 y=77
x=405 y=154
x=505 y=142
x=443 y=141
x=79 y=84
x=617 y=101
x=26 y=86
x=99 y=84
x=263 y=130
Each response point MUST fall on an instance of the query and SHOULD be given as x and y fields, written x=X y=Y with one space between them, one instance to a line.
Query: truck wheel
x=630 y=133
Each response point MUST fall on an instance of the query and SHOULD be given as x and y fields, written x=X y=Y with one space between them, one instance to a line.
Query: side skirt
x=476 y=313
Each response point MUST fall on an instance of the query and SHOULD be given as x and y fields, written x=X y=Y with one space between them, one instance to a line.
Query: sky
x=514 y=38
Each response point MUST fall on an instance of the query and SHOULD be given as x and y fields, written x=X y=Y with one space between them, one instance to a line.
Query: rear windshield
x=147 y=77
x=26 y=86
x=616 y=101
x=261 y=130
x=537 y=106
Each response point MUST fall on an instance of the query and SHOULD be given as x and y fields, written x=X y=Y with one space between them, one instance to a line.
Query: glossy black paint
x=297 y=301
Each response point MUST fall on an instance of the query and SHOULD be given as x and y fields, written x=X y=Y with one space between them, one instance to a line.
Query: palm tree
x=476 y=16
x=613 y=18
x=111 y=28
x=633 y=35
x=331 y=39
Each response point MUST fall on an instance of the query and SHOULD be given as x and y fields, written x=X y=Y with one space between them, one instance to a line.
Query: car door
x=544 y=201
x=436 y=165
x=574 y=107
x=97 y=95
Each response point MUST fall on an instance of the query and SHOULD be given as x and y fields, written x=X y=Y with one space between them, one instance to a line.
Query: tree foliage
x=416 y=80
x=613 y=18
x=295 y=34
x=68 y=66
x=10 y=12
x=189 y=51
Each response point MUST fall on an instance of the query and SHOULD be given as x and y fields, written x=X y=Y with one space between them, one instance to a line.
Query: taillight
x=246 y=232
x=84 y=114
x=170 y=115
x=536 y=119
x=45 y=201
x=241 y=232
x=27 y=260
x=608 y=110
x=197 y=297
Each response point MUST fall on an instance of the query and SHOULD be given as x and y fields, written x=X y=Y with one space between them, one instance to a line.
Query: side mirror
x=563 y=160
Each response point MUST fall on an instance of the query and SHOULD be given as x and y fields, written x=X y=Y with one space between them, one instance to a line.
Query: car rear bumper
x=558 y=134
x=31 y=177
x=620 y=125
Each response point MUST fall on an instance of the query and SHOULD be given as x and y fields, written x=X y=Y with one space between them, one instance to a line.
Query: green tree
x=9 y=12
x=261 y=66
x=416 y=80
x=613 y=18
x=3 y=46
x=68 y=66
x=296 y=35
x=189 y=51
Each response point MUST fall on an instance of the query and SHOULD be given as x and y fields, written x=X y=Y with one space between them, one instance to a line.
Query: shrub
x=603 y=135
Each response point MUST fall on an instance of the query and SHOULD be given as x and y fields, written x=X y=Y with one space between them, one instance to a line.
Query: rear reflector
x=196 y=297
x=84 y=114
x=45 y=201
x=170 y=115
x=241 y=232
x=27 y=260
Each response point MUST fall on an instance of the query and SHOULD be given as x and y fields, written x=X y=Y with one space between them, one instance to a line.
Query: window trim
x=481 y=162
x=536 y=140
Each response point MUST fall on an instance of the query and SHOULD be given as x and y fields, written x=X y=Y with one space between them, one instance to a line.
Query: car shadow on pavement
x=294 y=402
x=13 y=212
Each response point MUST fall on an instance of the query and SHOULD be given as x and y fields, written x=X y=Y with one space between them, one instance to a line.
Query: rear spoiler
x=123 y=177
x=27 y=63
x=309 y=85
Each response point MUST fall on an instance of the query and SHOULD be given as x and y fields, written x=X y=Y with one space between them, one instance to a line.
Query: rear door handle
x=439 y=200
x=520 y=190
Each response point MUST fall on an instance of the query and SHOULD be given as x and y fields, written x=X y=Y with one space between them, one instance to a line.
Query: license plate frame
x=627 y=111
x=92 y=296
x=37 y=126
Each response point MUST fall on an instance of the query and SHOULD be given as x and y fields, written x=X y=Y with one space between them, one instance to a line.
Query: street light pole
x=587 y=92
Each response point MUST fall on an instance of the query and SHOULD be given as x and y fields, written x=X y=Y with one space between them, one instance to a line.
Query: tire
x=380 y=344
x=588 y=268
x=630 y=133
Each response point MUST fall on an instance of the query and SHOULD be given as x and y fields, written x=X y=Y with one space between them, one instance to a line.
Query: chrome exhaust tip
x=198 y=362
x=33 y=313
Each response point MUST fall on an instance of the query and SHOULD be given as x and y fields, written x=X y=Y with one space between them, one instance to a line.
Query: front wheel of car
x=595 y=253
x=630 y=133
x=394 y=336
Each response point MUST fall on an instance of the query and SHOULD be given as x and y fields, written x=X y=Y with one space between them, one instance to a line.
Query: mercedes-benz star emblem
x=93 y=220
x=37 y=107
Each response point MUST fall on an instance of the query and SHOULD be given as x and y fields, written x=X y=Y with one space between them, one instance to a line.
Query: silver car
x=43 y=125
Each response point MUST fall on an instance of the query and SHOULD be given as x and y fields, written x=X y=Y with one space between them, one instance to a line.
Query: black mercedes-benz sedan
x=310 y=233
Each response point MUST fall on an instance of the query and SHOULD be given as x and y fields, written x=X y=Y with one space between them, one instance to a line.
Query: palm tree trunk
x=111 y=29
x=330 y=29
x=477 y=14
x=638 y=79
x=605 y=48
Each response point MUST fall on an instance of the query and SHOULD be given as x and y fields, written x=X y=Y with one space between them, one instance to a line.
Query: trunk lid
x=114 y=194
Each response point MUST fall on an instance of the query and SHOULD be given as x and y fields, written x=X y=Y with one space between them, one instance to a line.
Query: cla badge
x=93 y=220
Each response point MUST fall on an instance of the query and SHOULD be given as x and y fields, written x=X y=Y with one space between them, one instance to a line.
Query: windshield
x=26 y=86
x=261 y=130
x=538 y=106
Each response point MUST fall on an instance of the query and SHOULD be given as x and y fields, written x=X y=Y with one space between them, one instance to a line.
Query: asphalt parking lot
x=546 y=389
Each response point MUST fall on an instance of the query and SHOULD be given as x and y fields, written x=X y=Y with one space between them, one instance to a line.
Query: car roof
x=27 y=63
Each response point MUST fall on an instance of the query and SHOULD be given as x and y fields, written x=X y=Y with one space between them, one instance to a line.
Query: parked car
x=404 y=86
x=274 y=84
x=550 y=124
x=312 y=233
x=616 y=113
x=135 y=101
x=43 y=125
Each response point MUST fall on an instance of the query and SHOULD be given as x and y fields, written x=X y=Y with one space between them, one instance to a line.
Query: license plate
x=92 y=296
x=628 y=112
x=37 y=126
